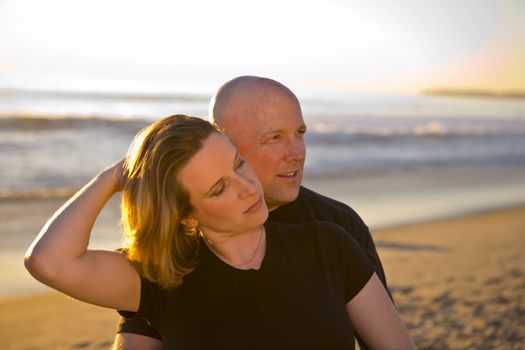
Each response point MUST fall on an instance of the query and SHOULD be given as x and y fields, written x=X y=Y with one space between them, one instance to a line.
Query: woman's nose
x=248 y=185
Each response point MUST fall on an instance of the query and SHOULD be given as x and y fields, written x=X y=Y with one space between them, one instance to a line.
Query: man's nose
x=295 y=150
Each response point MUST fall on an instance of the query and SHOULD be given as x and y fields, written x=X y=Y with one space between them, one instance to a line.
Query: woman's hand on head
x=119 y=177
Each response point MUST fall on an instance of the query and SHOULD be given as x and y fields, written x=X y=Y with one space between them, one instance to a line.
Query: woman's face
x=225 y=193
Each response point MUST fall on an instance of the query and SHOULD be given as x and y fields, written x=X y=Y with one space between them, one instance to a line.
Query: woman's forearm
x=65 y=236
x=59 y=256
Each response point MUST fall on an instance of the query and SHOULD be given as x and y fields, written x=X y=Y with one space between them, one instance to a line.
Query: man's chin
x=280 y=197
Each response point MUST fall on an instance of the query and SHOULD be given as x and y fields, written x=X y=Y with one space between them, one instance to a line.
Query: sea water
x=51 y=143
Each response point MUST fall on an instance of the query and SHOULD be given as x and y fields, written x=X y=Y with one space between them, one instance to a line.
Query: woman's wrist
x=114 y=176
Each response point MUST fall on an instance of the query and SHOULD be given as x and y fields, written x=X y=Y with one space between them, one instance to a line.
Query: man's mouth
x=290 y=174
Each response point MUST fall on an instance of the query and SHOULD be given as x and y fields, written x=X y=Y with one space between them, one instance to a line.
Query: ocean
x=52 y=142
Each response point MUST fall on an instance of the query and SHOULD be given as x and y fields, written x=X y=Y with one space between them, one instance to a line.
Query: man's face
x=271 y=139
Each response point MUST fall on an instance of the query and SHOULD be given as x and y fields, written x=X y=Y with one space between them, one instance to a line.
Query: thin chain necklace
x=210 y=245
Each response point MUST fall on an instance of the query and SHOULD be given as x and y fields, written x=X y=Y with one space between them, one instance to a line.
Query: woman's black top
x=295 y=300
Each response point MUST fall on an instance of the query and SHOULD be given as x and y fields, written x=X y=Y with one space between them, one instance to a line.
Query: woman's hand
x=119 y=177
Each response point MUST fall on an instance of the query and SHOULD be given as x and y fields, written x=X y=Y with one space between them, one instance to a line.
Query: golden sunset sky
x=399 y=46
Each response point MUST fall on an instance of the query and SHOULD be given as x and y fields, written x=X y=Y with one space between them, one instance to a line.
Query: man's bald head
x=263 y=119
x=246 y=97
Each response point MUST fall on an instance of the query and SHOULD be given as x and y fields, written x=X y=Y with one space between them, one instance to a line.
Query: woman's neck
x=243 y=251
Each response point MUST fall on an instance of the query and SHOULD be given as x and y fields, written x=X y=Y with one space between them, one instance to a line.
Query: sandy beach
x=458 y=283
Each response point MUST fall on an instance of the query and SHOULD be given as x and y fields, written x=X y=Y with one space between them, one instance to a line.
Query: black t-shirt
x=295 y=300
x=309 y=206
x=312 y=206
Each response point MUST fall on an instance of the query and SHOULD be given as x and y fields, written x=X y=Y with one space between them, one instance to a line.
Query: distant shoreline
x=467 y=92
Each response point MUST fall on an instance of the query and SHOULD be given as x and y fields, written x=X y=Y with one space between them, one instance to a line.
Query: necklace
x=242 y=264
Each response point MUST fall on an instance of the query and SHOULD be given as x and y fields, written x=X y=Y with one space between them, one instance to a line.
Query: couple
x=226 y=250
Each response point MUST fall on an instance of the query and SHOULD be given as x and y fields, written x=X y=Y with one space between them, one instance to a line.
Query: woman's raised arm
x=376 y=320
x=59 y=256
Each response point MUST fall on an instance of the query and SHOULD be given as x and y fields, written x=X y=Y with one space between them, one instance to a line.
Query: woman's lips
x=255 y=206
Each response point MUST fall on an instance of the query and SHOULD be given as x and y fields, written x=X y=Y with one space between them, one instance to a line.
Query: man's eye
x=300 y=133
x=274 y=138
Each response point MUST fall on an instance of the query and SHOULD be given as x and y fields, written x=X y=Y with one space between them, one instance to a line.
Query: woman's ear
x=189 y=221
x=190 y=225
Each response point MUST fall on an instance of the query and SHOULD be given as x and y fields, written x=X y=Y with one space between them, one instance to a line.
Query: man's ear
x=189 y=221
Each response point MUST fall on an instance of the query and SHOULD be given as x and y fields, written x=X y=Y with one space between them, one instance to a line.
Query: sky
x=399 y=46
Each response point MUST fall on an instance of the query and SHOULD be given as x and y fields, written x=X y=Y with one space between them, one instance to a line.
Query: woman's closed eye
x=240 y=163
x=220 y=190
x=222 y=185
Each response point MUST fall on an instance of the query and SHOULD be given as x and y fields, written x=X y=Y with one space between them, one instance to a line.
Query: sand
x=458 y=284
x=54 y=321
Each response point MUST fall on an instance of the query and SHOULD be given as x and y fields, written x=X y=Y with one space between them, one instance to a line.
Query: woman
x=201 y=267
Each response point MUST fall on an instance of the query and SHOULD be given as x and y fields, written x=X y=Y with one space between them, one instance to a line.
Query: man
x=263 y=119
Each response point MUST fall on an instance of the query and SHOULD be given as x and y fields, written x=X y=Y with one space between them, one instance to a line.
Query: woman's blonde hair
x=154 y=201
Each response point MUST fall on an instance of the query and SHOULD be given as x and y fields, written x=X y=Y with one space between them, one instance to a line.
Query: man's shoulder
x=314 y=198
x=313 y=206
x=326 y=204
